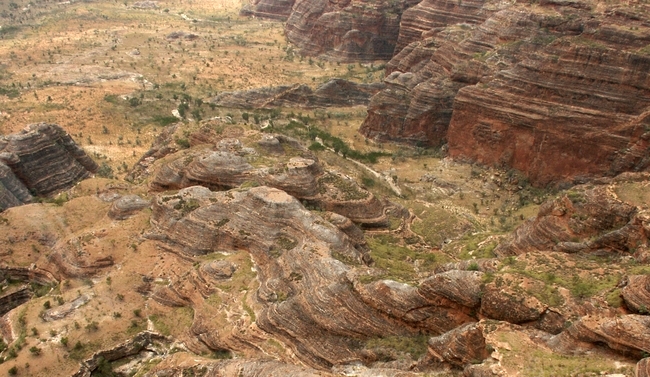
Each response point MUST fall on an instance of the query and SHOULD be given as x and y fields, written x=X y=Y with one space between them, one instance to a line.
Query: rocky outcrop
x=642 y=368
x=11 y=300
x=32 y=276
x=563 y=96
x=28 y=275
x=42 y=159
x=584 y=220
x=161 y=147
x=506 y=303
x=73 y=258
x=425 y=75
x=64 y=310
x=126 y=206
x=306 y=297
x=636 y=293
x=230 y=165
x=121 y=351
x=463 y=287
x=518 y=85
x=346 y=30
x=12 y=191
x=460 y=346
x=627 y=334
x=273 y=9
x=334 y=93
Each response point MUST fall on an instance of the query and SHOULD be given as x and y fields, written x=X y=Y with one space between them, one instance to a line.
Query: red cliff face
x=558 y=91
x=346 y=30
x=569 y=111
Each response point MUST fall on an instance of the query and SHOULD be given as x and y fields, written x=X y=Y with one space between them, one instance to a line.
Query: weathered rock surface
x=519 y=85
x=334 y=93
x=636 y=293
x=585 y=220
x=121 y=351
x=126 y=206
x=274 y=9
x=460 y=346
x=230 y=165
x=627 y=334
x=305 y=296
x=424 y=76
x=42 y=159
x=64 y=310
x=73 y=258
x=506 y=303
x=642 y=368
x=11 y=300
x=31 y=276
x=463 y=287
x=346 y=30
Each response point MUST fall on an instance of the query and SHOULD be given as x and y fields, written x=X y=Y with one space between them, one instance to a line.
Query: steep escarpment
x=457 y=45
x=41 y=160
x=346 y=30
x=520 y=85
x=580 y=111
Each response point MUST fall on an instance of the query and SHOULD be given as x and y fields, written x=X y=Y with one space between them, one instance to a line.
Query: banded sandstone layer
x=261 y=275
x=40 y=160
x=558 y=90
x=346 y=30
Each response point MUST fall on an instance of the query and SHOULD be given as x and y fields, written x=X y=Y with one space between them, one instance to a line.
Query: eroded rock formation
x=233 y=164
x=520 y=85
x=126 y=206
x=306 y=297
x=41 y=160
x=334 y=93
x=584 y=220
x=636 y=293
x=627 y=334
x=274 y=9
x=346 y=30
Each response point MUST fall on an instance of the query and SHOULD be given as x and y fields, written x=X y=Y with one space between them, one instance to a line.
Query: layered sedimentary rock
x=42 y=159
x=463 y=287
x=571 y=111
x=346 y=30
x=334 y=93
x=230 y=165
x=306 y=297
x=274 y=9
x=15 y=297
x=73 y=258
x=425 y=75
x=11 y=300
x=584 y=220
x=636 y=293
x=463 y=345
x=627 y=334
x=508 y=304
x=127 y=206
x=642 y=368
x=140 y=342
x=519 y=85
